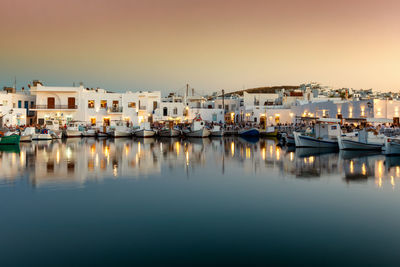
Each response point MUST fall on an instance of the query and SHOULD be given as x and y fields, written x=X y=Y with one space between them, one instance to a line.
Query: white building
x=15 y=108
x=93 y=106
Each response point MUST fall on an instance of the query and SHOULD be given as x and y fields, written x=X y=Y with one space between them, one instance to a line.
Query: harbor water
x=196 y=201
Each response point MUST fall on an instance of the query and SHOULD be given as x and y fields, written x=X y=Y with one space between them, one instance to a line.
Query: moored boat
x=197 y=129
x=364 y=140
x=392 y=146
x=249 y=132
x=323 y=135
x=217 y=131
x=169 y=132
x=10 y=140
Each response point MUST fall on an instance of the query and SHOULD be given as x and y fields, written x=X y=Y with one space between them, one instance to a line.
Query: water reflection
x=79 y=161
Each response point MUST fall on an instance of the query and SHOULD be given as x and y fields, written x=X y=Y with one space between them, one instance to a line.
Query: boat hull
x=308 y=141
x=39 y=137
x=26 y=138
x=355 y=145
x=117 y=134
x=199 y=133
x=145 y=133
x=249 y=132
x=217 y=133
x=169 y=133
x=73 y=133
x=10 y=140
x=392 y=148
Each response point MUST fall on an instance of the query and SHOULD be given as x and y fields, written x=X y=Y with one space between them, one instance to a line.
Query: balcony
x=54 y=107
x=114 y=110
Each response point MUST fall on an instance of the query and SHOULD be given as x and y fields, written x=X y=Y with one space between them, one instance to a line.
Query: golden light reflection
x=248 y=152
x=233 y=149
x=177 y=148
x=351 y=166
x=22 y=157
x=392 y=181
x=278 y=153
x=291 y=156
x=263 y=153
x=58 y=156
x=363 y=169
x=92 y=149
x=106 y=151
x=311 y=159
x=187 y=157
x=271 y=151
x=397 y=171
x=68 y=153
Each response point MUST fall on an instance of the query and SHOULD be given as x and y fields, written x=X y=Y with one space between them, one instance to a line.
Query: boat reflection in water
x=77 y=162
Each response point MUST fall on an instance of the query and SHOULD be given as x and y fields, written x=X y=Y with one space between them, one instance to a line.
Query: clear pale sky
x=210 y=44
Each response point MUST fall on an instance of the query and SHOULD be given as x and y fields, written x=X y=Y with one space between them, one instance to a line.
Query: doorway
x=51 y=102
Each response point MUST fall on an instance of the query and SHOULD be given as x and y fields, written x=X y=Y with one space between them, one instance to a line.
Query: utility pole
x=223 y=100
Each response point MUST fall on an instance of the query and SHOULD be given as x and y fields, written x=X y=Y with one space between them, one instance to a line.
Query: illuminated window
x=131 y=104
x=90 y=103
x=103 y=103
x=93 y=121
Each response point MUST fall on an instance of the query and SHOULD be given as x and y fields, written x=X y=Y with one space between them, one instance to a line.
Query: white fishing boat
x=120 y=130
x=169 y=132
x=54 y=128
x=392 y=146
x=89 y=132
x=197 y=129
x=362 y=140
x=145 y=131
x=26 y=135
x=44 y=134
x=101 y=132
x=217 y=131
x=323 y=135
x=73 y=130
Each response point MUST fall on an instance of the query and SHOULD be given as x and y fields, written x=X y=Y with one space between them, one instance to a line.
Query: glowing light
x=392 y=181
x=68 y=153
x=363 y=169
x=187 y=158
x=178 y=148
x=291 y=156
x=278 y=153
x=248 y=152
x=351 y=166
x=263 y=153
x=233 y=149
x=58 y=156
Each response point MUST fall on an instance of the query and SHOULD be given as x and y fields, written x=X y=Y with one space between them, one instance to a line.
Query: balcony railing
x=114 y=110
x=55 y=107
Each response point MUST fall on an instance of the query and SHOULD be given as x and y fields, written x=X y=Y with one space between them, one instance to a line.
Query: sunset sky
x=210 y=44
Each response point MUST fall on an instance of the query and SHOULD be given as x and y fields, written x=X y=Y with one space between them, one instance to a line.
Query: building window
x=214 y=117
x=93 y=121
x=255 y=119
x=131 y=104
x=175 y=111
x=103 y=104
x=19 y=104
x=165 y=111
x=154 y=105
x=90 y=103
x=220 y=106
x=32 y=104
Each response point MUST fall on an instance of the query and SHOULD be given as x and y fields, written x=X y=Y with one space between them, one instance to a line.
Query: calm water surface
x=186 y=202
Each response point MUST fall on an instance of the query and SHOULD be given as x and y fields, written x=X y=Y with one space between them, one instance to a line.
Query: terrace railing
x=55 y=107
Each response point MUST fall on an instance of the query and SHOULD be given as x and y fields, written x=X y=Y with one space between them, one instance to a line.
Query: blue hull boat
x=249 y=132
